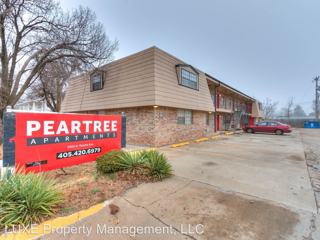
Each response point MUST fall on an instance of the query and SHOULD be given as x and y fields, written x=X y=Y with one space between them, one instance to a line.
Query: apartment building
x=233 y=109
x=38 y=105
x=165 y=99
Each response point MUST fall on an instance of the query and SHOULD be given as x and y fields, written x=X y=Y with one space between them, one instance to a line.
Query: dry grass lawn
x=82 y=187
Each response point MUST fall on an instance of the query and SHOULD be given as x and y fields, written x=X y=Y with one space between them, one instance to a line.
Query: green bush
x=131 y=161
x=109 y=162
x=27 y=198
x=147 y=161
x=158 y=165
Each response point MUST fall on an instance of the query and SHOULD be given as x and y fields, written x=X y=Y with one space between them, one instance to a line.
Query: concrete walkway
x=244 y=187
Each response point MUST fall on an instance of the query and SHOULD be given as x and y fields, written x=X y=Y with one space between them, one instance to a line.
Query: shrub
x=131 y=161
x=149 y=162
x=27 y=198
x=158 y=165
x=109 y=162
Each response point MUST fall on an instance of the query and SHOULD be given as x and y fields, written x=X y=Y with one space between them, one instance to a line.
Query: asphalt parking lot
x=252 y=187
x=262 y=165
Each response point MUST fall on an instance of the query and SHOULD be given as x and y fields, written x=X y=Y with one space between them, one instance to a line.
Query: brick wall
x=150 y=126
x=140 y=125
x=168 y=131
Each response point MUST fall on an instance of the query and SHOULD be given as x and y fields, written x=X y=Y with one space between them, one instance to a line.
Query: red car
x=268 y=127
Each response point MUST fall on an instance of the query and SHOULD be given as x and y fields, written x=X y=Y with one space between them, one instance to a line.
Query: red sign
x=46 y=141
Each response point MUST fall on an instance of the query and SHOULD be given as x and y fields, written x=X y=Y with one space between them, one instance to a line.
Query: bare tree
x=269 y=108
x=298 y=111
x=288 y=108
x=35 y=33
x=53 y=81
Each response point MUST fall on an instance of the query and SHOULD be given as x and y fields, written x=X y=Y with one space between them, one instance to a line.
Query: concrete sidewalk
x=248 y=187
x=310 y=139
x=184 y=206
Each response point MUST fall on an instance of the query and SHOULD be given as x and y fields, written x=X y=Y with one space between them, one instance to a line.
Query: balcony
x=224 y=110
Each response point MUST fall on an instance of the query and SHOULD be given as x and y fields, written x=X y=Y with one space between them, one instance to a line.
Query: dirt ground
x=82 y=187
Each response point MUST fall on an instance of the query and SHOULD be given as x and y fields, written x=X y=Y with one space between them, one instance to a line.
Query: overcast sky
x=265 y=48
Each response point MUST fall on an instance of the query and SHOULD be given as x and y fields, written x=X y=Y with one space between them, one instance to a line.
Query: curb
x=228 y=133
x=179 y=144
x=201 y=140
x=49 y=226
x=142 y=149
x=215 y=137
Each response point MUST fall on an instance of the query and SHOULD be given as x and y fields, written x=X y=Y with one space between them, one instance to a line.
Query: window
x=96 y=81
x=222 y=102
x=243 y=107
x=237 y=105
x=262 y=124
x=273 y=124
x=213 y=97
x=189 y=79
x=229 y=103
x=184 y=117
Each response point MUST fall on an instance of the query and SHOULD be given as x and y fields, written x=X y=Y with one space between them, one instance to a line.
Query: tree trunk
x=1 y=125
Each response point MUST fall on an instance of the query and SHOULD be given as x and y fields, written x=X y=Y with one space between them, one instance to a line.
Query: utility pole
x=316 y=112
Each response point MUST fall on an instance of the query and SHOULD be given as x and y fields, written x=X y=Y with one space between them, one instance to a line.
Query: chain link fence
x=295 y=122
